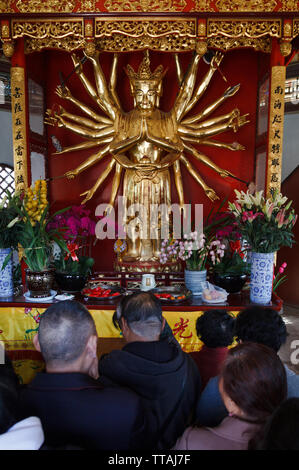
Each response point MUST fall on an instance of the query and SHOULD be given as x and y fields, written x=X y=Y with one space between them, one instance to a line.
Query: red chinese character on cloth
x=180 y=328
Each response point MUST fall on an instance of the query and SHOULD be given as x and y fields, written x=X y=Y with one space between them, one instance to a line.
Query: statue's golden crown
x=144 y=71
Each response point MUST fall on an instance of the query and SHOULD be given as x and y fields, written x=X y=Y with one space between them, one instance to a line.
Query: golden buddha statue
x=146 y=141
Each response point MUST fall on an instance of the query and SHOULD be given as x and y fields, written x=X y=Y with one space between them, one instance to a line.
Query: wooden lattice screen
x=7 y=180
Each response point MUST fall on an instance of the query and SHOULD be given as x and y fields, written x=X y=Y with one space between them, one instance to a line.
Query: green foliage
x=232 y=264
x=69 y=266
x=8 y=214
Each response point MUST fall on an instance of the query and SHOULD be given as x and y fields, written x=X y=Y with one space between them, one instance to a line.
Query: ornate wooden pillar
x=276 y=118
x=20 y=120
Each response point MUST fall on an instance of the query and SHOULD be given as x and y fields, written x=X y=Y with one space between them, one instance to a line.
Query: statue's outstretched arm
x=83 y=145
x=88 y=86
x=102 y=88
x=112 y=83
x=178 y=182
x=209 y=191
x=186 y=89
x=90 y=193
x=206 y=160
x=211 y=108
x=210 y=122
x=115 y=184
x=80 y=130
x=216 y=60
x=64 y=93
x=214 y=143
x=95 y=158
x=81 y=120
x=179 y=71
x=235 y=122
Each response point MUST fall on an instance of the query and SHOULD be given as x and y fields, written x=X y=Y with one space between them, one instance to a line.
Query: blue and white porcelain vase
x=195 y=281
x=6 y=280
x=261 y=280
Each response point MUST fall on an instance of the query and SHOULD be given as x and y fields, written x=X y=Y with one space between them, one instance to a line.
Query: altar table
x=19 y=320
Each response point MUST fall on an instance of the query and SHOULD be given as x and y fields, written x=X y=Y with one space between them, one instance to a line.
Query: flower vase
x=195 y=281
x=6 y=279
x=261 y=280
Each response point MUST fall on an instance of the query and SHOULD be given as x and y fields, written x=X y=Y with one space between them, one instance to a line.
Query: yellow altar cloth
x=18 y=325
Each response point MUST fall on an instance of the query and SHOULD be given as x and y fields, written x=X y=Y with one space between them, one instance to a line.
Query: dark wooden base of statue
x=147 y=266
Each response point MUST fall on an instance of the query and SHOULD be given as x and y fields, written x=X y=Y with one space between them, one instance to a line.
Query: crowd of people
x=235 y=394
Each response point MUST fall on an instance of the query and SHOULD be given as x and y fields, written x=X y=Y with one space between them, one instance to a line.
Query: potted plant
x=73 y=267
x=194 y=250
x=71 y=271
x=35 y=238
x=8 y=242
x=230 y=272
x=266 y=224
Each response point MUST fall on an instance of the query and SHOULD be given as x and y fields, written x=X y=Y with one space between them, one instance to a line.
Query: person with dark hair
x=255 y=324
x=75 y=409
x=215 y=328
x=282 y=429
x=15 y=435
x=166 y=378
x=252 y=384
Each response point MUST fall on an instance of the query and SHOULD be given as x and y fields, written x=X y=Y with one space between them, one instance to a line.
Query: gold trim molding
x=169 y=34
x=171 y=6
x=153 y=28
x=224 y=43
x=241 y=28
x=66 y=34
x=121 y=43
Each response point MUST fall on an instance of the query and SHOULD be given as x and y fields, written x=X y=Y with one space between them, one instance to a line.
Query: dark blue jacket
x=166 y=379
x=76 y=410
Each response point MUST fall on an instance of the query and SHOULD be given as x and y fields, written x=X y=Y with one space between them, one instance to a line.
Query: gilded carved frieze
x=47 y=29
x=295 y=28
x=67 y=44
x=245 y=5
x=159 y=34
x=244 y=28
x=121 y=43
x=151 y=28
x=145 y=5
x=224 y=43
x=86 y=6
x=45 y=6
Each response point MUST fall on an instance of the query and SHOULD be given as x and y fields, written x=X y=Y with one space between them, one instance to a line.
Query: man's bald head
x=64 y=331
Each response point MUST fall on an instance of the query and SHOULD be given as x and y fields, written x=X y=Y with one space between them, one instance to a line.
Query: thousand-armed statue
x=146 y=141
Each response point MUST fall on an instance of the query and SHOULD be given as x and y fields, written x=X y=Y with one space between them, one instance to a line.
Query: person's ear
x=91 y=346
x=36 y=343
x=124 y=328
x=163 y=323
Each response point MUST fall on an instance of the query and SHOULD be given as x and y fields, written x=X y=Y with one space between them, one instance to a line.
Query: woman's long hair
x=254 y=378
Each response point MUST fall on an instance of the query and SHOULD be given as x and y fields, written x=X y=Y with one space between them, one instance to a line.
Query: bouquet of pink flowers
x=266 y=224
x=194 y=248
x=74 y=224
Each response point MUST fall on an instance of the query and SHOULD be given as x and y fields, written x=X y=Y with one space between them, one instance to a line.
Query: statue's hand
x=77 y=63
x=71 y=174
x=236 y=146
x=225 y=173
x=53 y=119
x=216 y=60
x=63 y=92
x=89 y=194
x=231 y=91
x=236 y=121
x=211 y=194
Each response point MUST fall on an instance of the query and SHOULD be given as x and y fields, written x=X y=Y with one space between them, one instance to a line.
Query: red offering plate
x=103 y=293
x=172 y=294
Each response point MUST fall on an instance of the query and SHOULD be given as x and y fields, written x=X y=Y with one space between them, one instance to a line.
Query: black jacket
x=77 y=410
x=166 y=379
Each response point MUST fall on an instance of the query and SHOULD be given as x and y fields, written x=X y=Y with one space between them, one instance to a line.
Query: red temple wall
x=239 y=66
